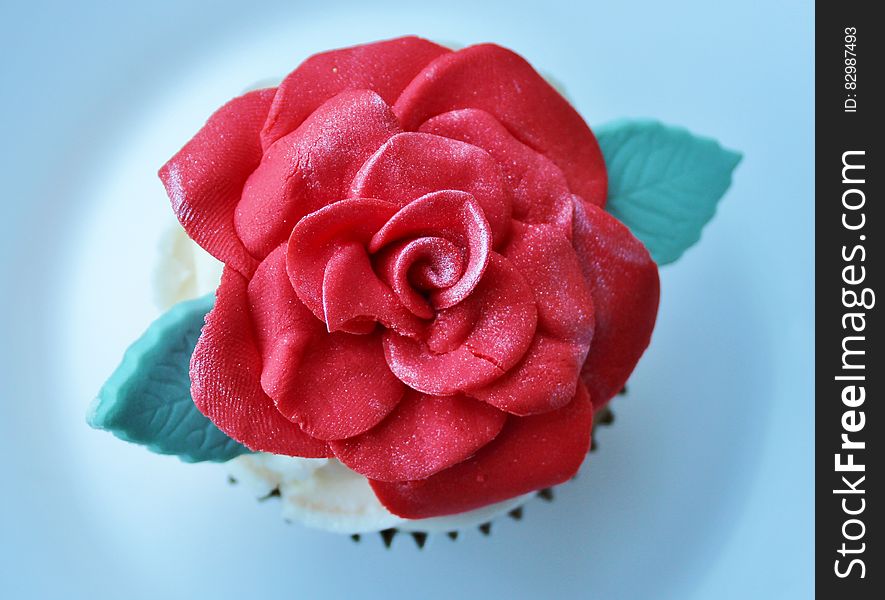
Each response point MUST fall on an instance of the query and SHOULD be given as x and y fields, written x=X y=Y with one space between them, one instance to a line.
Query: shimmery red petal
x=341 y=386
x=225 y=371
x=410 y=165
x=383 y=67
x=449 y=373
x=321 y=234
x=502 y=83
x=530 y=453
x=284 y=327
x=424 y=435
x=548 y=262
x=502 y=317
x=624 y=282
x=354 y=298
x=546 y=377
x=542 y=381
x=205 y=178
x=334 y=385
x=311 y=167
x=537 y=186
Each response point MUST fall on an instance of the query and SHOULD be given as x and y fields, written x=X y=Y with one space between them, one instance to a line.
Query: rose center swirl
x=438 y=244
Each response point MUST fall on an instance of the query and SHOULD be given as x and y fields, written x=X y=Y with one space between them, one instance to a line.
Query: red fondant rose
x=420 y=279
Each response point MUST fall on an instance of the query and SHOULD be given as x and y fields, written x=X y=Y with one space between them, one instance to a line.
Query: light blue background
x=74 y=75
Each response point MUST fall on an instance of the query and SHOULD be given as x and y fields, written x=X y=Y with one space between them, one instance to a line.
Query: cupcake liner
x=420 y=537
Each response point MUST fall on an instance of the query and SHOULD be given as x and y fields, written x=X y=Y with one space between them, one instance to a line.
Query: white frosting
x=318 y=492
x=183 y=270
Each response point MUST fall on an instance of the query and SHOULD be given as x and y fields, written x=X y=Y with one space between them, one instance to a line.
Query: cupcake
x=405 y=284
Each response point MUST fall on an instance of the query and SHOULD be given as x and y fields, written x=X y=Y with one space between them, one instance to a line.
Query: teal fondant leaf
x=147 y=400
x=664 y=182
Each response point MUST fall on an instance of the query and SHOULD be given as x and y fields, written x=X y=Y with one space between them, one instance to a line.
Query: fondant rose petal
x=225 y=371
x=530 y=453
x=334 y=385
x=624 y=282
x=546 y=377
x=537 y=186
x=453 y=215
x=354 y=297
x=498 y=323
x=284 y=327
x=383 y=67
x=205 y=179
x=410 y=165
x=341 y=386
x=442 y=374
x=311 y=167
x=321 y=234
x=548 y=262
x=503 y=84
x=544 y=380
x=424 y=435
